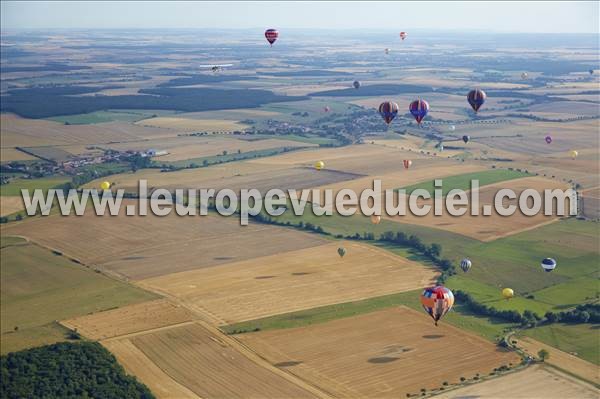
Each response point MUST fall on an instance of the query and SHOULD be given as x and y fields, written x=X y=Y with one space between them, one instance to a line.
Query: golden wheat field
x=129 y=319
x=565 y=361
x=10 y=204
x=20 y=132
x=193 y=357
x=387 y=353
x=536 y=382
x=234 y=176
x=188 y=124
x=292 y=280
x=135 y=362
x=494 y=226
x=138 y=247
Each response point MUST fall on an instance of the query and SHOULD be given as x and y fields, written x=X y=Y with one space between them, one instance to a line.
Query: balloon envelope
x=508 y=293
x=271 y=35
x=465 y=264
x=452 y=128
x=437 y=301
x=548 y=139
x=524 y=75
x=387 y=50
x=407 y=163
x=476 y=98
x=375 y=219
x=105 y=185
x=341 y=252
x=574 y=154
x=326 y=109
x=419 y=109
x=388 y=111
x=466 y=139
x=319 y=165
x=548 y=264
x=356 y=84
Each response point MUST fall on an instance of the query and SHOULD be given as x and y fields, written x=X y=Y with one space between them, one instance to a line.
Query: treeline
x=430 y=252
x=585 y=313
x=43 y=102
x=67 y=370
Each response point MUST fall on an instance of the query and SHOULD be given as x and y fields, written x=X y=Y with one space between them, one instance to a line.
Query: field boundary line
x=143 y=332
x=260 y=361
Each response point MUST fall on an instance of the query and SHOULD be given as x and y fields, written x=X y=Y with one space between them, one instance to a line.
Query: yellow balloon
x=574 y=154
x=375 y=219
x=319 y=165
x=508 y=293
x=105 y=185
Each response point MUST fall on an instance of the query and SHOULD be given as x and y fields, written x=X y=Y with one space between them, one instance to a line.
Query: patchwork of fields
x=201 y=307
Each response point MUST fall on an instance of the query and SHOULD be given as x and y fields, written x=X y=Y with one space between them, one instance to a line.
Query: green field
x=488 y=328
x=39 y=287
x=579 y=338
x=107 y=116
x=14 y=187
x=227 y=158
x=463 y=182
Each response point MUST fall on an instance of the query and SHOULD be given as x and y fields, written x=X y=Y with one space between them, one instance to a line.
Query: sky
x=510 y=16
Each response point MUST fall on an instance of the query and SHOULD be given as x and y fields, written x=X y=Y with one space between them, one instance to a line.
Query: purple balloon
x=548 y=139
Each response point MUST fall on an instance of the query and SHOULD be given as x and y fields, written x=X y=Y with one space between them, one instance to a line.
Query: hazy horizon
x=492 y=17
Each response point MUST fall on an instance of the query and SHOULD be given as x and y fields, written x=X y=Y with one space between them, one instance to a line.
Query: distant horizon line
x=341 y=30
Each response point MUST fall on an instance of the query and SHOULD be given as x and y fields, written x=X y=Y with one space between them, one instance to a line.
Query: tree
x=543 y=355
x=551 y=317
x=224 y=152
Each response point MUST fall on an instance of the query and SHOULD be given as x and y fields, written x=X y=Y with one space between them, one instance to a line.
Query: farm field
x=189 y=124
x=534 y=382
x=139 y=247
x=39 y=287
x=12 y=154
x=291 y=281
x=494 y=226
x=391 y=350
x=13 y=189
x=189 y=147
x=204 y=363
x=233 y=175
x=22 y=132
x=129 y=319
x=135 y=362
x=566 y=361
x=10 y=204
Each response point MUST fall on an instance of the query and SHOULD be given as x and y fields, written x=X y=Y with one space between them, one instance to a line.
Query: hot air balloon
x=271 y=35
x=419 y=109
x=341 y=252
x=508 y=293
x=466 y=138
x=356 y=84
x=524 y=75
x=437 y=301
x=591 y=71
x=375 y=219
x=215 y=69
x=440 y=147
x=548 y=139
x=452 y=128
x=407 y=163
x=326 y=109
x=574 y=154
x=548 y=264
x=387 y=50
x=476 y=98
x=388 y=111
x=465 y=264
x=105 y=185
x=319 y=165
x=403 y=35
